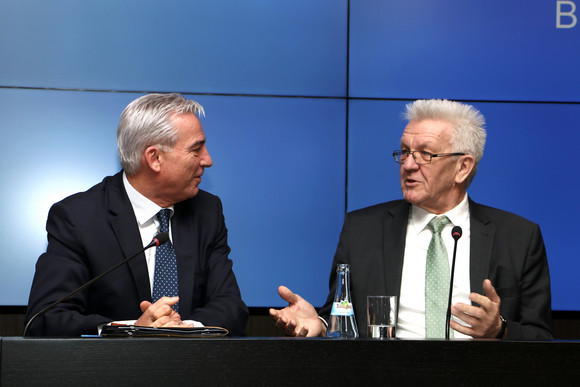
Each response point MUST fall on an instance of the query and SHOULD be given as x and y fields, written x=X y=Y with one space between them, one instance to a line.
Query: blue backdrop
x=303 y=107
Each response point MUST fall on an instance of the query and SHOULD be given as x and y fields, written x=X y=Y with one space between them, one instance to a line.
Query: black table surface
x=285 y=362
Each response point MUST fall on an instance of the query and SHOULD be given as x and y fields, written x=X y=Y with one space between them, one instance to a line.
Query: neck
x=442 y=208
x=145 y=185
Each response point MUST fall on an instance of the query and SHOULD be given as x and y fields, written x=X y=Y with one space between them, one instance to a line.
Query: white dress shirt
x=146 y=213
x=411 y=318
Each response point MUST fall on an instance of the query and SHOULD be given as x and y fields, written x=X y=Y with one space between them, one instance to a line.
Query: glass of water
x=382 y=317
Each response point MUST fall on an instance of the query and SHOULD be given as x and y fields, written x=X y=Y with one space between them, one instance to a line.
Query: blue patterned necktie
x=165 y=278
x=437 y=279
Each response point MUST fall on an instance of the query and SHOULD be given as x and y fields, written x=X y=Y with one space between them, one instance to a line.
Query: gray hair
x=468 y=123
x=147 y=121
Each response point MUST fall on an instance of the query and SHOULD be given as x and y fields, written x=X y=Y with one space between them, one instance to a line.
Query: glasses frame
x=398 y=153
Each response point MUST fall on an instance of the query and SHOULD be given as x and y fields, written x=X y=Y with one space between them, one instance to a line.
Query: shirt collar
x=459 y=215
x=145 y=210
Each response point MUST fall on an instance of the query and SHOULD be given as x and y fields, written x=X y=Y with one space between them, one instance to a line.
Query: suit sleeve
x=222 y=303
x=59 y=271
x=531 y=319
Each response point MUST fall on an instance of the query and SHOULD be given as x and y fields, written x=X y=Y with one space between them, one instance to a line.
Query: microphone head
x=161 y=238
x=456 y=232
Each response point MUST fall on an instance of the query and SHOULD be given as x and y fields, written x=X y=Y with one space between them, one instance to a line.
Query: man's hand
x=299 y=318
x=160 y=314
x=484 y=320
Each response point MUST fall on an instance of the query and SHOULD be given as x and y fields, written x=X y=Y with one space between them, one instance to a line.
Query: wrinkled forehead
x=427 y=133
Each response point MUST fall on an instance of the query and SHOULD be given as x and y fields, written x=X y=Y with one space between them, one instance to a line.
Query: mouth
x=411 y=182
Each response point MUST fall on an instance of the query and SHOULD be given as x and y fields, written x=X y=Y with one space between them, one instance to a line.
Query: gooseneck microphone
x=157 y=241
x=456 y=233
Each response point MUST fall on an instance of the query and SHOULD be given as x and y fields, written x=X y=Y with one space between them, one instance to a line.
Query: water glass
x=381 y=317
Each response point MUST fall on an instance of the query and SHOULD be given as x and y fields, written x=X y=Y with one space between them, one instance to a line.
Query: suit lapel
x=394 y=234
x=183 y=228
x=126 y=230
x=482 y=235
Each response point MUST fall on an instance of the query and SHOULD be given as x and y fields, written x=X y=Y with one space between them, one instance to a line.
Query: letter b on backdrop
x=565 y=14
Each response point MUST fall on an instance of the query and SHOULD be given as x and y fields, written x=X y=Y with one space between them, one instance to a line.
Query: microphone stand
x=456 y=233
x=158 y=240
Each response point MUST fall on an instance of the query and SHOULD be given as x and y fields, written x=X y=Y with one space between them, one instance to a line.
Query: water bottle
x=342 y=322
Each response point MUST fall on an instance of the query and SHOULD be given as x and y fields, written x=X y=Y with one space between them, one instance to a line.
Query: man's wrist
x=324 y=326
x=503 y=327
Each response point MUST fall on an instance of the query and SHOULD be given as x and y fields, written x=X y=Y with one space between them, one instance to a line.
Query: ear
x=151 y=158
x=464 y=168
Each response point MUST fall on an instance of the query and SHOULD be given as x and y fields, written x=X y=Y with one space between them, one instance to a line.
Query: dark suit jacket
x=92 y=231
x=507 y=249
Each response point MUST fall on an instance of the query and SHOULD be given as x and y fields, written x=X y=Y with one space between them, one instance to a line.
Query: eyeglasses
x=420 y=157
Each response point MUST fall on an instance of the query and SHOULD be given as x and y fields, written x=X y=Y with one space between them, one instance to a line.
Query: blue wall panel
x=279 y=167
x=494 y=49
x=204 y=46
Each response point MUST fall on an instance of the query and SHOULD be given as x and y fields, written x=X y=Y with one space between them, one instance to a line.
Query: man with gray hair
x=501 y=286
x=187 y=281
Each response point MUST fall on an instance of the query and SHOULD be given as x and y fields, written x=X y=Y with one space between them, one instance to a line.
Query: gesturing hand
x=299 y=318
x=484 y=320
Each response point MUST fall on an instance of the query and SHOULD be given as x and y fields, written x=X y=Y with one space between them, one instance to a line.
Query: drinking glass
x=381 y=317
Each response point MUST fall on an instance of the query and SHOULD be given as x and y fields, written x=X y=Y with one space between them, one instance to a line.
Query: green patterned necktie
x=436 y=281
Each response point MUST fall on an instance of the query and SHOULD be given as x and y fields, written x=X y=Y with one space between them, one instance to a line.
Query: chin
x=409 y=197
x=195 y=190
x=194 y=193
x=189 y=193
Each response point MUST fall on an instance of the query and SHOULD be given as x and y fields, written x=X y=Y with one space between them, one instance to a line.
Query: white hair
x=148 y=121
x=468 y=123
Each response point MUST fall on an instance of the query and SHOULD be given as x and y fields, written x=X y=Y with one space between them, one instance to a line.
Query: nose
x=206 y=160
x=410 y=163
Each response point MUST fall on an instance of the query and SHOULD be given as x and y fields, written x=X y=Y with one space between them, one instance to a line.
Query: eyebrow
x=197 y=143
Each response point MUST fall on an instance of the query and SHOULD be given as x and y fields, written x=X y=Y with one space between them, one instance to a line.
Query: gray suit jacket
x=506 y=248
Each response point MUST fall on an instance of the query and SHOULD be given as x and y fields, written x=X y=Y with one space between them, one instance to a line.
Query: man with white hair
x=186 y=281
x=501 y=282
